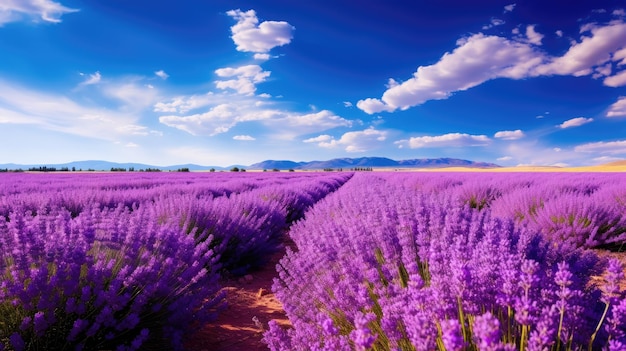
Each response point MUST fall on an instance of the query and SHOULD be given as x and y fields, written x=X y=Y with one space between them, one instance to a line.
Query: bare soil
x=247 y=297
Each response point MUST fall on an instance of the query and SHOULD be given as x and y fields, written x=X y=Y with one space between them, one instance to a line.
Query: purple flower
x=362 y=335
x=451 y=335
x=486 y=331
x=40 y=323
x=17 y=342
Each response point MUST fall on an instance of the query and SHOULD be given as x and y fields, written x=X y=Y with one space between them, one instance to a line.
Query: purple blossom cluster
x=403 y=261
x=106 y=279
x=110 y=261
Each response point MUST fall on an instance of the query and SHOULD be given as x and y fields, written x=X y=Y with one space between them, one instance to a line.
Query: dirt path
x=248 y=297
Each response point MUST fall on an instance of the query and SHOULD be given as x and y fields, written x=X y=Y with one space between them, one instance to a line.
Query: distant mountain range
x=337 y=163
x=373 y=162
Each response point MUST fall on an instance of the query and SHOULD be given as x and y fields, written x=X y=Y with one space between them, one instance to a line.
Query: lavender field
x=381 y=261
x=134 y=261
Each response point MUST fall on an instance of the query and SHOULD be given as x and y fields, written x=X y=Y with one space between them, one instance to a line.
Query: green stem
x=593 y=336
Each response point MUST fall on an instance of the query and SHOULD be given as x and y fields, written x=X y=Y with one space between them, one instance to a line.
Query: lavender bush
x=106 y=279
x=132 y=261
x=381 y=265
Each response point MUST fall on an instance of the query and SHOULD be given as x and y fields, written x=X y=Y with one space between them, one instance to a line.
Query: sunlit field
x=498 y=259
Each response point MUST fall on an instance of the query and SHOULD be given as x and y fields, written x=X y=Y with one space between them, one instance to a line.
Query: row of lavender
x=141 y=268
x=451 y=261
x=71 y=191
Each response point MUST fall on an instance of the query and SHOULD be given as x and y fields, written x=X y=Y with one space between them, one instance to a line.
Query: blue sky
x=237 y=82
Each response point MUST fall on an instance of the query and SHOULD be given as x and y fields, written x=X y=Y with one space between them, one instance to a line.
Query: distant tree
x=291 y=170
x=131 y=169
x=73 y=169
x=242 y=170
x=184 y=169
x=275 y=170
x=234 y=169
x=212 y=170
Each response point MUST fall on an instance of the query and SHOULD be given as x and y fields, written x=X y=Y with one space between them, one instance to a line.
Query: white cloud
x=509 y=8
x=509 y=134
x=533 y=36
x=504 y=158
x=494 y=23
x=93 y=79
x=131 y=144
x=233 y=110
x=161 y=74
x=250 y=36
x=575 y=122
x=243 y=138
x=218 y=119
x=359 y=141
x=477 y=59
x=288 y=125
x=617 y=80
x=319 y=139
x=372 y=105
x=20 y=105
x=480 y=58
x=347 y=104
x=262 y=57
x=591 y=51
x=559 y=33
x=246 y=78
x=607 y=159
x=618 y=109
x=133 y=96
x=620 y=57
x=47 y=10
x=604 y=147
x=184 y=104
x=446 y=140
x=619 y=12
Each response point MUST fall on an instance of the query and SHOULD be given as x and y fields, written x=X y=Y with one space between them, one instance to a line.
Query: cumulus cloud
x=246 y=78
x=575 y=122
x=358 y=141
x=46 y=10
x=509 y=134
x=618 y=109
x=618 y=80
x=594 y=49
x=251 y=36
x=477 y=59
x=481 y=57
x=446 y=140
x=161 y=74
x=244 y=138
x=604 y=147
x=262 y=57
x=504 y=158
x=532 y=36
